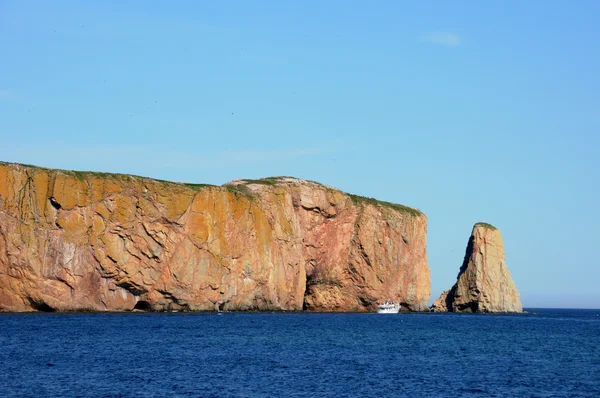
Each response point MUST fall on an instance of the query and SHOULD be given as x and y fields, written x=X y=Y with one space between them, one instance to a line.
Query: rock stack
x=484 y=283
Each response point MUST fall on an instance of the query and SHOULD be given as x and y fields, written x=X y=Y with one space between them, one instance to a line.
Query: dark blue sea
x=554 y=353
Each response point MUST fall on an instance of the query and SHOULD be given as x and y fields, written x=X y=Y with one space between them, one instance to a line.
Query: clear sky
x=470 y=111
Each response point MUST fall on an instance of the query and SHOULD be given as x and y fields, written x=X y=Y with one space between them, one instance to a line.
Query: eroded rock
x=484 y=283
x=72 y=241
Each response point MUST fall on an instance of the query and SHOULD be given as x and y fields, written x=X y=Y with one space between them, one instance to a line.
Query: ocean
x=550 y=353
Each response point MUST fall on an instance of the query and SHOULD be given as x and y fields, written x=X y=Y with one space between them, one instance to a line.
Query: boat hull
x=388 y=309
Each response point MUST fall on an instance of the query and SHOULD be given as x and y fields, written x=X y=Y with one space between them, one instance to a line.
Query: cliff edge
x=76 y=241
x=484 y=283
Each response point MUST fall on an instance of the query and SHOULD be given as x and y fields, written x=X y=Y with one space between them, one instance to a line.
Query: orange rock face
x=484 y=283
x=72 y=241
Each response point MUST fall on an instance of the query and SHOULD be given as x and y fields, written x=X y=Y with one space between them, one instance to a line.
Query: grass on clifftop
x=195 y=187
x=279 y=180
x=485 y=225
x=264 y=181
x=238 y=188
x=374 y=202
x=241 y=187
x=81 y=175
x=270 y=181
x=274 y=180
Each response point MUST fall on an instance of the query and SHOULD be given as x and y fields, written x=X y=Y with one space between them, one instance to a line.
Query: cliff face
x=441 y=303
x=484 y=283
x=91 y=241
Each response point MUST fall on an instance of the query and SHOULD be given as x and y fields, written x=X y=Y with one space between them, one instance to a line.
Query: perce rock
x=83 y=241
x=484 y=283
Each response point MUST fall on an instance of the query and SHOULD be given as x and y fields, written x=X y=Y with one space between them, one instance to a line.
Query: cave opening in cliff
x=308 y=292
x=472 y=306
x=41 y=306
x=142 y=306
x=55 y=204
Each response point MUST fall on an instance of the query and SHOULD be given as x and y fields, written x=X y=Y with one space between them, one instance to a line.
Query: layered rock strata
x=75 y=241
x=484 y=283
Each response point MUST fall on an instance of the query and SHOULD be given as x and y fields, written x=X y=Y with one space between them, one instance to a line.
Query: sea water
x=551 y=353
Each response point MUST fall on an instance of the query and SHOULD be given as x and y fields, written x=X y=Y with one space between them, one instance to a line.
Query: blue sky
x=470 y=111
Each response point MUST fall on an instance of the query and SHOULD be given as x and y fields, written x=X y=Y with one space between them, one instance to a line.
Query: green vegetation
x=276 y=180
x=20 y=164
x=82 y=175
x=485 y=225
x=266 y=181
x=195 y=187
x=263 y=181
x=271 y=181
x=357 y=199
x=240 y=188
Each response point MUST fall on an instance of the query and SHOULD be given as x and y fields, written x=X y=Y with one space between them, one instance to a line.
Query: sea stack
x=79 y=241
x=484 y=283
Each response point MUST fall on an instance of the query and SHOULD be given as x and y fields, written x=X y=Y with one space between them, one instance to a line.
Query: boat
x=388 y=307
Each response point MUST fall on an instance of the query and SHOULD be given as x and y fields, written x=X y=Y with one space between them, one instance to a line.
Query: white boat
x=389 y=307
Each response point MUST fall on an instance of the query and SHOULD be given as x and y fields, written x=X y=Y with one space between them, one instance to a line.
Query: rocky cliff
x=483 y=283
x=76 y=241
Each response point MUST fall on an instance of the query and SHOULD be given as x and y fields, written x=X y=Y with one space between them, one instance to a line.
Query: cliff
x=76 y=241
x=484 y=283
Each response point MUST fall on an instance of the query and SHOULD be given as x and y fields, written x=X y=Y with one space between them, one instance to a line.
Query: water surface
x=554 y=353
